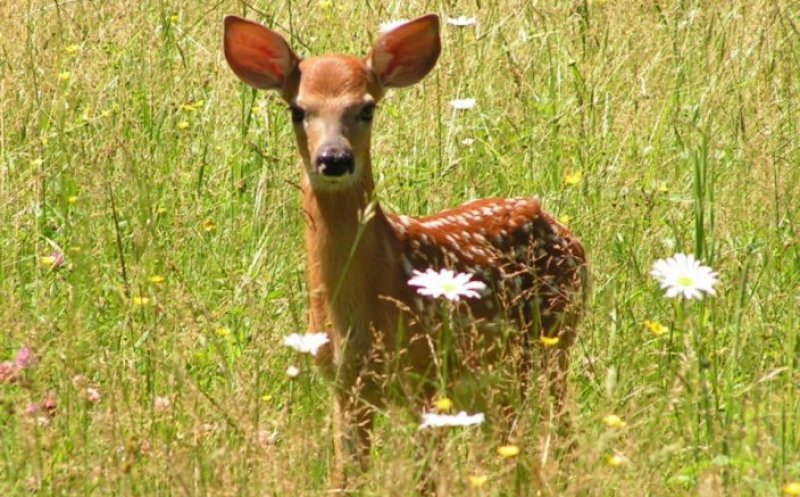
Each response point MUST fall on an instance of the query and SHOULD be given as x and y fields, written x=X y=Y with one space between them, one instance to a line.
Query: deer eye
x=298 y=114
x=367 y=112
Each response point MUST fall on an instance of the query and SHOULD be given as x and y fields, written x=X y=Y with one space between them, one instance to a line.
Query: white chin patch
x=328 y=183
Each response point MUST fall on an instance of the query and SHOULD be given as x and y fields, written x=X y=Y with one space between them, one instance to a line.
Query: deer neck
x=345 y=250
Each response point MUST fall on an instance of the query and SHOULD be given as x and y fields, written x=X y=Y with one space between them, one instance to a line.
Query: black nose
x=335 y=162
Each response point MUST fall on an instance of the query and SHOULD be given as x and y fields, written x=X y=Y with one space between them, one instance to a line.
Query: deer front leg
x=352 y=438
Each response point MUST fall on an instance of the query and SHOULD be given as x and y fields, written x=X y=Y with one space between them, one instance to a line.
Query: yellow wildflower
x=72 y=49
x=64 y=76
x=174 y=19
x=613 y=421
x=616 y=460
x=183 y=125
x=565 y=219
x=223 y=331
x=443 y=404
x=662 y=187
x=193 y=106
x=209 y=224
x=572 y=178
x=140 y=301
x=508 y=451
x=47 y=260
x=325 y=4
x=72 y=199
x=548 y=341
x=655 y=327
x=477 y=480
x=791 y=488
x=156 y=279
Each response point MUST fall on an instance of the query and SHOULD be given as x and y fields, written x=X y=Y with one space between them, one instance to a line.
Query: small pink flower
x=49 y=404
x=58 y=259
x=24 y=358
x=33 y=409
x=93 y=395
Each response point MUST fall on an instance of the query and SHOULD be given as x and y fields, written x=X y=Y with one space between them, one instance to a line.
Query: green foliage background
x=128 y=146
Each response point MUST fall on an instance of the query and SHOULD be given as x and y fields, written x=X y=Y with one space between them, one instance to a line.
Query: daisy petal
x=682 y=275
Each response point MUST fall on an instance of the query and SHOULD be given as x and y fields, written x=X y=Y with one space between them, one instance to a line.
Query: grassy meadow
x=151 y=254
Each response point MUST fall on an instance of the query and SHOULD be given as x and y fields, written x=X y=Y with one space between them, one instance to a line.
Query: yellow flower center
x=685 y=280
x=449 y=286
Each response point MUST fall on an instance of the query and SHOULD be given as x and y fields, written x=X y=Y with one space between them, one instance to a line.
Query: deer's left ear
x=407 y=53
x=259 y=56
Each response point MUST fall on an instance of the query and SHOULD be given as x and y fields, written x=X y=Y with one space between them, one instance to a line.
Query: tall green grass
x=128 y=146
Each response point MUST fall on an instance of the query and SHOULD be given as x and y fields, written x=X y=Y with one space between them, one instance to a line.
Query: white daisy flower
x=433 y=420
x=387 y=26
x=682 y=275
x=446 y=283
x=308 y=343
x=462 y=21
x=462 y=103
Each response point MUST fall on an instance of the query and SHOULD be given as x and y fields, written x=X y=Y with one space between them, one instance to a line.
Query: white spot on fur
x=432 y=224
x=404 y=220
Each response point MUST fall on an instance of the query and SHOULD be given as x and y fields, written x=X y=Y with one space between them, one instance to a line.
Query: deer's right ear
x=405 y=54
x=259 y=56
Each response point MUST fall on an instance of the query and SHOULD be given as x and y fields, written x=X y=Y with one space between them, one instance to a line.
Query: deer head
x=332 y=98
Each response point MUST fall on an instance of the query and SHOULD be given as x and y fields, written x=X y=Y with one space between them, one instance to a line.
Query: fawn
x=359 y=264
